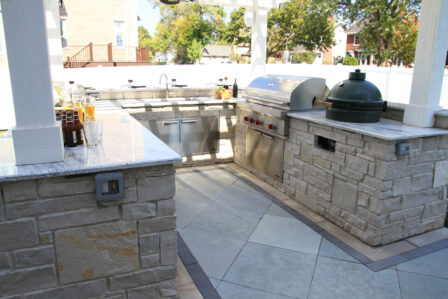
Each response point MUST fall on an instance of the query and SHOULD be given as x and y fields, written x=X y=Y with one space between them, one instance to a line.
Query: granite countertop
x=185 y=101
x=386 y=129
x=126 y=144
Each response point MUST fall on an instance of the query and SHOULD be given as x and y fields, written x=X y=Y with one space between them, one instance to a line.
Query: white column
x=54 y=41
x=7 y=119
x=37 y=136
x=432 y=46
x=258 y=43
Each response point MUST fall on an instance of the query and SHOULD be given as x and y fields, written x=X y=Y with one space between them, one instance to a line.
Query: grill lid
x=355 y=100
x=286 y=92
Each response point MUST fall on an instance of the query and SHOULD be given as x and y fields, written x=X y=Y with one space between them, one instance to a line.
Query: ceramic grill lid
x=355 y=100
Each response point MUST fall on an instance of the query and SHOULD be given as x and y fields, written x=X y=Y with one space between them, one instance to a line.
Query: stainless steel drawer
x=199 y=135
x=168 y=131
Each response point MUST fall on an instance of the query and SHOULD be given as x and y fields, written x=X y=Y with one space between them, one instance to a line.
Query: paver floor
x=251 y=248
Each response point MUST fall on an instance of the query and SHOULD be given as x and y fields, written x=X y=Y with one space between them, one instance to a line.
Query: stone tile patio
x=249 y=247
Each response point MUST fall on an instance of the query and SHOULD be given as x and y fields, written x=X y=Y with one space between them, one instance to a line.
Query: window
x=63 y=23
x=356 y=40
x=119 y=33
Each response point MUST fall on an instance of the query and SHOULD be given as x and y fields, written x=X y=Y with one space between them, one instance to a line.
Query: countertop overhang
x=126 y=144
x=386 y=129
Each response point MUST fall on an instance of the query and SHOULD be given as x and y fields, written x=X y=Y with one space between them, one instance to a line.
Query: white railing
x=394 y=83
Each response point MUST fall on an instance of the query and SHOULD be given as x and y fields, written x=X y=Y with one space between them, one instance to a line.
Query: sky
x=150 y=16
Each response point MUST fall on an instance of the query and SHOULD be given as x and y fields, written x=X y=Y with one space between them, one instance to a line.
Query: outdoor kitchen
x=352 y=162
x=292 y=176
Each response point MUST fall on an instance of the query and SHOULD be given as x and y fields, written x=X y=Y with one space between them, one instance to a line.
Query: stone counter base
x=364 y=186
x=58 y=242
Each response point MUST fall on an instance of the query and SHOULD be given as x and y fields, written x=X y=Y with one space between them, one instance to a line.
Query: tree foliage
x=389 y=27
x=184 y=28
x=300 y=22
x=303 y=57
x=144 y=38
x=194 y=52
x=235 y=32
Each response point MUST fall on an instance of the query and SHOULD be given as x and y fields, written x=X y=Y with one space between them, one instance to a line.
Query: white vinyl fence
x=394 y=83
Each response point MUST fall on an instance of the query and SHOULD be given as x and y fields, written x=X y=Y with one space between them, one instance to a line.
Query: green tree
x=300 y=22
x=194 y=52
x=387 y=26
x=404 y=42
x=184 y=26
x=235 y=32
x=144 y=38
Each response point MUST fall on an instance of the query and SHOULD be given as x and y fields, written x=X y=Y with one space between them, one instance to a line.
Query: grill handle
x=316 y=101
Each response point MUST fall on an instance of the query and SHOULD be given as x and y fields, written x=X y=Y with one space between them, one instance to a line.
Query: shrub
x=350 y=61
x=307 y=57
x=338 y=59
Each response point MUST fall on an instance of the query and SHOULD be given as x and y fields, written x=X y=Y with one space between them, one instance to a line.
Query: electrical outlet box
x=109 y=186
x=403 y=148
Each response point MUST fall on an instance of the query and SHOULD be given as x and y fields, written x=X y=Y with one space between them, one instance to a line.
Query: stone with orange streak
x=96 y=250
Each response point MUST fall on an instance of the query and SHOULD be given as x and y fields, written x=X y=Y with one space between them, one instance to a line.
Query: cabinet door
x=265 y=153
x=168 y=131
x=200 y=135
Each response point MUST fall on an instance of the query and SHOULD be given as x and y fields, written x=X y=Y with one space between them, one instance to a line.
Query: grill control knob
x=251 y=120
x=246 y=118
x=270 y=126
x=257 y=122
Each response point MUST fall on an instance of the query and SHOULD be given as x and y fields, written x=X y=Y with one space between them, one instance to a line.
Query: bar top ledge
x=385 y=129
x=126 y=144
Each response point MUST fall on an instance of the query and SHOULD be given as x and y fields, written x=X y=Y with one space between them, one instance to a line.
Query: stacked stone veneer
x=227 y=121
x=58 y=242
x=364 y=187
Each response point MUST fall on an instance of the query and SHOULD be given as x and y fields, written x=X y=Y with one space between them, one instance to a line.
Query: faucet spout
x=166 y=84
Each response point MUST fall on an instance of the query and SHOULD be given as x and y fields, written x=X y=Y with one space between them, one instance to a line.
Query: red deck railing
x=82 y=56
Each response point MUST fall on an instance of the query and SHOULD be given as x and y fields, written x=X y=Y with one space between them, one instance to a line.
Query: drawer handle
x=258 y=133
x=165 y=123
x=189 y=121
x=267 y=136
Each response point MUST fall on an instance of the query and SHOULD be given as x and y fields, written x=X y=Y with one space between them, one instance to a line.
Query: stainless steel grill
x=269 y=99
x=286 y=92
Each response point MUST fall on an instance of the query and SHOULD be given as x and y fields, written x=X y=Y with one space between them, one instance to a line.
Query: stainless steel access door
x=199 y=135
x=264 y=152
x=168 y=131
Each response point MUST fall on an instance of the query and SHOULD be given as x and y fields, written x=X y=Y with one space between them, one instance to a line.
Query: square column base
x=38 y=145
x=420 y=116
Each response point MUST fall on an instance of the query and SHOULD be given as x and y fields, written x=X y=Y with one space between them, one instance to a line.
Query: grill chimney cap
x=357 y=75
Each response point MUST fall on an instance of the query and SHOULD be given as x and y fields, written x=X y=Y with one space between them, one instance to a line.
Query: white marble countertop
x=385 y=129
x=184 y=101
x=126 y=144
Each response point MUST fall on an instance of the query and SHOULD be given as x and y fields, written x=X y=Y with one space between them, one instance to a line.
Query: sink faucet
x=166 y=81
